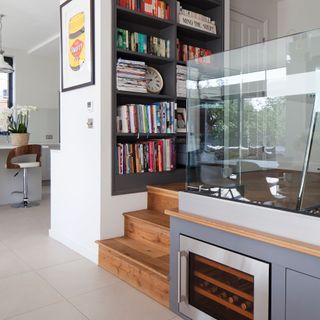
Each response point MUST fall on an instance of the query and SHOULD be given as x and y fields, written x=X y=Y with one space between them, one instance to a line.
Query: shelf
x=166 y=29
x=232 y=271
x=149 y=96
x=224 y=286
x=142 y=18
x=146 y=135
x=189 y=32
x=224 y=303
x=200 y=100
x=202 y=4
x=138 y=182
x=127 y=54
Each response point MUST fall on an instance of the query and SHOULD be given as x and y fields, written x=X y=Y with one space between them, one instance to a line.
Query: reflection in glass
x=253 y=134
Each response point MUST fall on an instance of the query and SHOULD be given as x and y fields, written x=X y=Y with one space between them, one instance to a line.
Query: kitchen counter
x=282 y=242
x=294 y=264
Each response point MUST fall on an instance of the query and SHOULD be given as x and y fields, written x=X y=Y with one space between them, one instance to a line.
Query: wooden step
x=164 y=197
x=148 y=226
x=145 y=267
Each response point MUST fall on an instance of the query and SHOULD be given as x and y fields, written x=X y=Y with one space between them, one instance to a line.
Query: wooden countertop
x=297 y=246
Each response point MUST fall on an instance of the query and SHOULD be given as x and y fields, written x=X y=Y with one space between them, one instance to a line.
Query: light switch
x=90 y=106
x=90 y=123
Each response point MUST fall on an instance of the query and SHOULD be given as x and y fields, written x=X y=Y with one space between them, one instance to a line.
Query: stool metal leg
x=25 y=188
x=25 y=203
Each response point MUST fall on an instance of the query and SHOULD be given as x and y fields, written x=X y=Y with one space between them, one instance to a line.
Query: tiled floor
x=42 y=279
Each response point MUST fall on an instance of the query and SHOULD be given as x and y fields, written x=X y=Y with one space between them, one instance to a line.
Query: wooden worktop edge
x=290 y=244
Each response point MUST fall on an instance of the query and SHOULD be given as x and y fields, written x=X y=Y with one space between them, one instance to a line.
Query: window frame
x=10 y=84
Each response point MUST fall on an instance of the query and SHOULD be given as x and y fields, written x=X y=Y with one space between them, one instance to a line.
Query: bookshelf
x=170 y=29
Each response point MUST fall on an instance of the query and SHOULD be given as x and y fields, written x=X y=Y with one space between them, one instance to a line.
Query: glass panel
x=220 y=291
x=250 y=123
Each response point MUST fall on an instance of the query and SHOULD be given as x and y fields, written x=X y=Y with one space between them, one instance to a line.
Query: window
x=6 y=87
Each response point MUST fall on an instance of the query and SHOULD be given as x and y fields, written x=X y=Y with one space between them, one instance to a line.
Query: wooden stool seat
x=27 y=150
x=23 y=165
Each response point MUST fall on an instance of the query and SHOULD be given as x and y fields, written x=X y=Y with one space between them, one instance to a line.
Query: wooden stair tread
x=150 y=216
x=146 y=256
x=169 y=189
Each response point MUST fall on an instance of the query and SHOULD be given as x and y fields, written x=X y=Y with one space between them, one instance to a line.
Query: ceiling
x=31 y=26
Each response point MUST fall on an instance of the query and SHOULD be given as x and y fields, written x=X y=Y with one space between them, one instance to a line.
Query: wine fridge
x=214 y=283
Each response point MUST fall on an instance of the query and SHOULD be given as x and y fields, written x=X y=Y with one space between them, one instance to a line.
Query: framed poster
x=77 y=44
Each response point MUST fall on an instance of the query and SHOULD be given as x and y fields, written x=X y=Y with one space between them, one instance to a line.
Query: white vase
x=19 y=139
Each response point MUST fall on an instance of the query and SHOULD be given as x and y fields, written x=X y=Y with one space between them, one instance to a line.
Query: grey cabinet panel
x=302 y=296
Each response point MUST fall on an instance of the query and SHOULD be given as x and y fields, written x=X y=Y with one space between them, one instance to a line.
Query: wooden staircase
x=141 y=257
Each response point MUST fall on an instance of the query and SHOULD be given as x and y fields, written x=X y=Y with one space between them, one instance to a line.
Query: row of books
x=131 y=76
x=195 y=20
x=142 y=43
x=186 y=52
x=149 y=156
x=150 y=118
x=156 y=8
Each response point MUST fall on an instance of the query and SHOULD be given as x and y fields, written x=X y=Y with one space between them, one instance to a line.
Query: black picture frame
x=63 y=29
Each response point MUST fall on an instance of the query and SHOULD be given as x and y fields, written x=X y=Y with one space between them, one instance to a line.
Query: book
x=131 y=76
x=150 y=118
x=156 y=155
x=142 y=43
x=156 y=8
x=187 y=52
x=195 y=20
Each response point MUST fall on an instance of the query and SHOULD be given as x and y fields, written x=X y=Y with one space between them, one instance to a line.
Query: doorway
x=246 y=30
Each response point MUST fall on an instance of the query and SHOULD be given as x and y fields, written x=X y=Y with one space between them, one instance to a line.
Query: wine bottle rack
x=223 y=302
x=224 y=285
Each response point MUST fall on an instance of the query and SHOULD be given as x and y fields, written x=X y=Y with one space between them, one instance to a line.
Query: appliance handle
x=179 y=277
x=182 y=297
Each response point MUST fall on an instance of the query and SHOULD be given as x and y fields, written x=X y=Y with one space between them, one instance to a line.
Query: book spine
x=158 y=118
x=150 y=154
x=150 y=126
x=154 y=118
x=141 y=157
x=137 y=158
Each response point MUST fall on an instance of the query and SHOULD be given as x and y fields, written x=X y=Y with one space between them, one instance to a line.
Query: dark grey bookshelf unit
x=170 y=30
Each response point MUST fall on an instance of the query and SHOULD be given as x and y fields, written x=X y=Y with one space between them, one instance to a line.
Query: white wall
x=82 y=208
x=263 y=10
x=36 y=82
x=284 y=17
x=296 y=16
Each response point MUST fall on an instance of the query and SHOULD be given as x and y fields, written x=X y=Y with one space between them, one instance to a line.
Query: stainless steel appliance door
x=253 y=303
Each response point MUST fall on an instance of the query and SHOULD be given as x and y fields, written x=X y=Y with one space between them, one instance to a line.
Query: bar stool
x=30 y=149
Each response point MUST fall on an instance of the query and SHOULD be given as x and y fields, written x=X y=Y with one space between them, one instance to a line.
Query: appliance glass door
x=216 y=283
x=220 y=291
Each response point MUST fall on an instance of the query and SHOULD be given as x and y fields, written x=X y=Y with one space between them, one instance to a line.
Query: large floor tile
x=59 y=311
x=10 y=264
x=120 y=302
x=23 y=293
x=46 y=254
x=2 y=247
x=77 y=277
x=26 y=239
